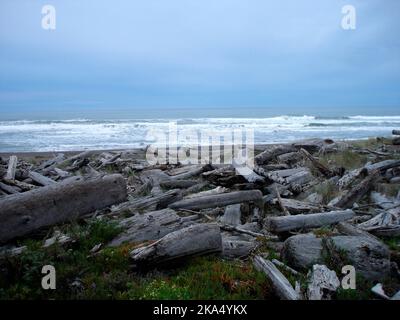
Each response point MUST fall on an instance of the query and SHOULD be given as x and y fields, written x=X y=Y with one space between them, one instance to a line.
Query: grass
x=327 y=189
x=108 y=274
x=346 y=159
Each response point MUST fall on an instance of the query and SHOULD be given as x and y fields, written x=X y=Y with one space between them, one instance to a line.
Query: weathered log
x=151 y=226
x=347 y=199
x=218 y=200
x=273 y=151
x=148 y=202
x=382 y=166
x=199 y=239
x=296 y=207
x=284 y=266
x=26 y=212
x=313 y=220
x=320 y=167
x=232 y=215
x=12 y=166
x=178 y=184
x=237 y=248
x=396 y=132
x=42 y=180
x=396 y=141
x=323 y=283
x=9 y=189
x=281 y=285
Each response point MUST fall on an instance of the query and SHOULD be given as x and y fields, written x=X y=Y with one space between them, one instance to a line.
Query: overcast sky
x=199 y=53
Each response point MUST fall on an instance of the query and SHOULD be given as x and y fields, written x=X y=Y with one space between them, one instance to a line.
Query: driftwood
x=355 y=194
x=42 y=180
x=151 y=226
x=318 y=165
x=195 y=240
x=382 y=166
x=12 y=166
x=281 y=285
x=26 y=212
x=178 y=184
x=218 y=200
x=232 y=215
x=284 y=266
x=313 y=220
x=148 y=202
x=295 y=206
x=237 y=248
x=9 y=189
x=322 y=283
x=271 y=152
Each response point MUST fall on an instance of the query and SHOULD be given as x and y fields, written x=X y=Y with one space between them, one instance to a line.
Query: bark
x=281 y=285
x=12 y=166
x=218 y=200
x=26 y=212
x=151 y=226
x=273 y=151
x=199 y=239
x=314 y=220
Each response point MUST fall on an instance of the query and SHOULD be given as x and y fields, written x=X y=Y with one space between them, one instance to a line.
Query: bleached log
x=318 y=165
x=42 y=180
x=281 y=285
x=297 y=207
x=12 y=166
x=313 y=220
x=9 y=189
x=284 y=266
x=215 y=191
x=349 y=178
x=51 y=163
x=347 y=199
x=382 y=166
x=148 y=202
x=232 y=215
x=218 y=200
x=199 y=239
x=237 y=248
x=323 y=282
x=273 y=151
x=28 y=211
x=150 y=226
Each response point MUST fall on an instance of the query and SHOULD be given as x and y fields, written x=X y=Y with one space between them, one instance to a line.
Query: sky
x=231 y=54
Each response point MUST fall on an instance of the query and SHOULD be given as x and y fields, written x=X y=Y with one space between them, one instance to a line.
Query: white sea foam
x=79 y=134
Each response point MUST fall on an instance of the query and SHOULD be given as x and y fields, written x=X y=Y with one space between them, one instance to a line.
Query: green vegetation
x=346 y=159
x=108 y=274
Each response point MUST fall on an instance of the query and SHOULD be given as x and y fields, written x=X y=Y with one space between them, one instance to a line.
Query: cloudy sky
x=191 y=53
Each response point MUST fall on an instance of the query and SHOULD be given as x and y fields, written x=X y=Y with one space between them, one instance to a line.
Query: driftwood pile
x=173 y=211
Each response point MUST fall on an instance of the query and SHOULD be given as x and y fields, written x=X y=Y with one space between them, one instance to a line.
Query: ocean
x=108 y=133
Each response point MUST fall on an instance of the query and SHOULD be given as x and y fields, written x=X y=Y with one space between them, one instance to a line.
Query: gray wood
x=199 y=239
x=42 y=180
x=218 y=200
x=347 y=199
x=232 y=215
x=150 y=226
x=28 y=211
x=313 y=220
x=12 y=166
x=281 y=285
x=273 y=151
x=148 y=202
